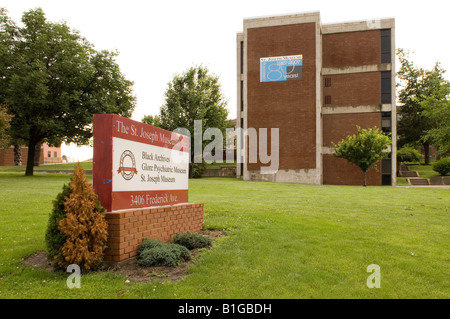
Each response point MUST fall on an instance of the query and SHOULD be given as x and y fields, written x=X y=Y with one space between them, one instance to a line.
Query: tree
x=53 y=81
x=4 y=125
x=436 y=108
x=152 y=120
x=194 y=95
x=416 y=84
x=364 y=149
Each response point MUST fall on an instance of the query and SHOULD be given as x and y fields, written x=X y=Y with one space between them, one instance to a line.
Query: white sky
x=157 y=39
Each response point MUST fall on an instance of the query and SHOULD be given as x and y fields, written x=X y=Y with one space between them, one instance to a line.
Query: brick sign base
x=127 y=228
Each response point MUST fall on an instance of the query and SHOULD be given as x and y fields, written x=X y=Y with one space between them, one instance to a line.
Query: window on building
x=242 y=96
x=386 y=46
x=386 y=180
x=49 y=154
x=386 y=87
x=327 y=99
x=55 y=154
x=242 y=57
x=327 y=82
x=386 y=122
x=386 y=166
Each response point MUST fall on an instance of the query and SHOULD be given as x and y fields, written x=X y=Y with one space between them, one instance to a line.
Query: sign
x=137 y=165
x=281 y=68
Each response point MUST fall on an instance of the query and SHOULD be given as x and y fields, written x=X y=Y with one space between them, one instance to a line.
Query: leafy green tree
x=194 y=95
x=436 y=108
x=415 y=85
x=4 y=125
x=152 y=120
x=53 y=81
x=364 y=149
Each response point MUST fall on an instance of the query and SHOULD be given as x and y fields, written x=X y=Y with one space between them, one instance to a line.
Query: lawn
x=284 y=241
x=425 y=171
x=47 y=167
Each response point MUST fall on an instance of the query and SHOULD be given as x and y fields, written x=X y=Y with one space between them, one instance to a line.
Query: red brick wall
x=127 y=229
x=356 y=89
x=52 y=159
x=290 y=105
x=7 y=156
x=351 y=48
x=338 y=126
x=337 y=171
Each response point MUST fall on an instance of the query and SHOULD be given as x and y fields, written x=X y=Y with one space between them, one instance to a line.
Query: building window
x=386 y=87
x=386 y=122
x=386 y=171
x=386 y=180
x=242 y=57
x=49 y=154
x=327 y=99
x=242 y=96
x=327 y=82
x=386 y=46
x=55 y=154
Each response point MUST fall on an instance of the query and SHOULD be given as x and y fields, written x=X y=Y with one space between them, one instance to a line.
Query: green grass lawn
x=425 y=171
x=47 y=167
x=215 y=165
x=284 y=241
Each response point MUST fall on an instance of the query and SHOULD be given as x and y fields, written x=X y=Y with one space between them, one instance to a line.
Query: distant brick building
x=315 y=82
x=48 y=155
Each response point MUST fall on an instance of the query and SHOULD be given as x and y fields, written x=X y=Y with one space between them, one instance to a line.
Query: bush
x=192 y=240
x=84 y=226
x=442 y=166
x=408 y=154
x=54 y=240
x=198 y=169
x=163 y=254
x=148 y=243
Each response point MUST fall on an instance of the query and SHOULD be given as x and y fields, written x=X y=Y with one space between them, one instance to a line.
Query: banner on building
x=281 y=68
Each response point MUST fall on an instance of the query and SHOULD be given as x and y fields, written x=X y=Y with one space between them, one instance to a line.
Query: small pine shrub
x=192 y=240
x=84 y=225
x=164 y=254
x=442 y=166
x=53 y=238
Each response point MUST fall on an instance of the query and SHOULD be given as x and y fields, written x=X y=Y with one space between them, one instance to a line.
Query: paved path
x=425 y=186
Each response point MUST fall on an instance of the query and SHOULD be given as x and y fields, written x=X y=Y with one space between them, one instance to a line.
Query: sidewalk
x=425 y=186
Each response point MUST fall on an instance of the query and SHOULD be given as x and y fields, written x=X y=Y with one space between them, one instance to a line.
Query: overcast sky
x=157 y=39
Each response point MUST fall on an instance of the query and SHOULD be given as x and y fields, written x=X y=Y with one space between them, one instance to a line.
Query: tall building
x=315 y=82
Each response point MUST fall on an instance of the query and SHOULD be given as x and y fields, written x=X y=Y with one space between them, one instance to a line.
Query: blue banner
x=283 y=68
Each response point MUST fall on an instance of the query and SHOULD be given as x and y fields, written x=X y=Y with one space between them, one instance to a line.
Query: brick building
x=315 y=82
x=49 y=154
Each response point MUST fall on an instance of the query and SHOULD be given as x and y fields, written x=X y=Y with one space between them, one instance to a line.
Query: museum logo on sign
x=127 y=166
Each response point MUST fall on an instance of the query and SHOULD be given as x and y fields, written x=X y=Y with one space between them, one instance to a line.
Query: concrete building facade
x=336 y=76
